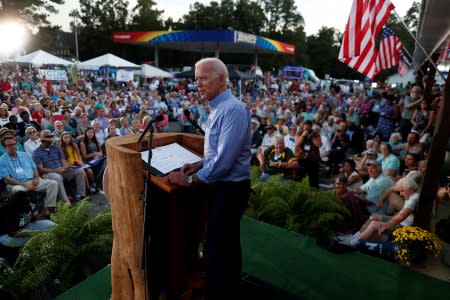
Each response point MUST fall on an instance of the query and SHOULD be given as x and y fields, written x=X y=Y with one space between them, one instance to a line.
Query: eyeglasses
x=32 y=132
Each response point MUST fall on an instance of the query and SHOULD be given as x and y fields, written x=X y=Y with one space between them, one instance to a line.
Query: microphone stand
x=187 y=114
x=146 y=237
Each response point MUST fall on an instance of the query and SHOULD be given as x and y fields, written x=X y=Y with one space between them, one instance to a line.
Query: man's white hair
x=218 y=67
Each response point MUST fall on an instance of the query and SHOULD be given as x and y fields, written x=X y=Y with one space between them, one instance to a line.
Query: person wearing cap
x=4 y=114
x=21 y=174
x=256 y=136
x=26 y=122
x=269 y=137
x=374 y=188
x=281 y=127
x=51 y=162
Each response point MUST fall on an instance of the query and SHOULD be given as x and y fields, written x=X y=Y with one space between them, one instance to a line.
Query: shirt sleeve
x=233 y=132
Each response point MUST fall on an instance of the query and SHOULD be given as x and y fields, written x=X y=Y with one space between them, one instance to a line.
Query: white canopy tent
x=108 y=60
x=39 y=58
x=148 y=71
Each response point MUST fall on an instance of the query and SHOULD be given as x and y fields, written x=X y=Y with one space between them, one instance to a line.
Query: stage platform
x=295 y=264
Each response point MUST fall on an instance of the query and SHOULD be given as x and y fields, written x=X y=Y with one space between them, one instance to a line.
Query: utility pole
x=74 y=24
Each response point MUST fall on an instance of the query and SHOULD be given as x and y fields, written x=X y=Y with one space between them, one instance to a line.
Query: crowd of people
x=371 y=137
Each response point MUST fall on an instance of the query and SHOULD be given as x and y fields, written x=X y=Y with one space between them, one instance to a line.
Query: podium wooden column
x=125 y=190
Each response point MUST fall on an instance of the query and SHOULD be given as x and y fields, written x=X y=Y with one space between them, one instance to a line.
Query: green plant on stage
x=294 y=205
x=55 y=260
x=413 y=244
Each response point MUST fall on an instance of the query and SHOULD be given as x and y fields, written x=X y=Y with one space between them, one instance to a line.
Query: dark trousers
x=226 y=204
x=312 y=170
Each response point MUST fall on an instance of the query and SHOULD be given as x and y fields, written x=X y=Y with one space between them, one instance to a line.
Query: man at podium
x=225 y=173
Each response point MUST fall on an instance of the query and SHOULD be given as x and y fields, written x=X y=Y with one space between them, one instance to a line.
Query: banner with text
x=124 y=76
x=57 y=75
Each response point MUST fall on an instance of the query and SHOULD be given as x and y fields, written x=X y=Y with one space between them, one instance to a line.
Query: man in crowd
x=50 y=161
x=21 y=174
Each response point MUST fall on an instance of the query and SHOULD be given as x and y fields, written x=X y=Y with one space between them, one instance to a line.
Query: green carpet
x=95 y=287
x=295 y=263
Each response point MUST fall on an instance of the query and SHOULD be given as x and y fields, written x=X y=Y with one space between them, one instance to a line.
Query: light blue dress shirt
x=20 y=168
x=227 y=141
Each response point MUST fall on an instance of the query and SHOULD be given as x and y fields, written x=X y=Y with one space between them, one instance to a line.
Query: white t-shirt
x=411 y=203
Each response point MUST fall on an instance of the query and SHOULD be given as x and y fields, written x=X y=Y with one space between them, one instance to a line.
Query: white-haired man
x=225 y=169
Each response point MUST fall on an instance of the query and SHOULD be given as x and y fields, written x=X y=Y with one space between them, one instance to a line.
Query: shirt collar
x=214 y=103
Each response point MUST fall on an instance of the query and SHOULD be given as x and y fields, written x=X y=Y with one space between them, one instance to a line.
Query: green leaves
x=77 y=246
x=294 y=205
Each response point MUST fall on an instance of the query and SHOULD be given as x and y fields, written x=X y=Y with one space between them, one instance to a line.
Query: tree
x=323 y=50
x=32 y=12
x=412 y=17
x=99 y=20
x=249 y=16
x=281 y=16
x=146 y=17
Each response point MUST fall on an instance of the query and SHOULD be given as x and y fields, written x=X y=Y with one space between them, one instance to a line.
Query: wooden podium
x=176 y=221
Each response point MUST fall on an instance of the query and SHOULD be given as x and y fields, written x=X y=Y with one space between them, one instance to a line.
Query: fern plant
x=57 y=259
x=294 y=205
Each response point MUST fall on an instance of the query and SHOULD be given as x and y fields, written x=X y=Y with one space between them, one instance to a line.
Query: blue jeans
x=11 y=241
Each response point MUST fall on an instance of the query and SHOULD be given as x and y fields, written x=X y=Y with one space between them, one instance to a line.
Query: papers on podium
x=168 y=158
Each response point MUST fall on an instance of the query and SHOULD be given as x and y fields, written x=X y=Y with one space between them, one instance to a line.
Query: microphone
x=158 y=118
x=187 y=114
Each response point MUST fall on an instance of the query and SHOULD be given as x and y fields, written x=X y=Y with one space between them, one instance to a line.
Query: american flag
x=389 y=50
x=445 y=54
x=403 y=65
x=358 y=49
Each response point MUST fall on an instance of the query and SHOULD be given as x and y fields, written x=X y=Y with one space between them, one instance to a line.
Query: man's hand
x=189 y=169
x=59 y=170
x=179 y=178
x=36 y=181
x=29 y=186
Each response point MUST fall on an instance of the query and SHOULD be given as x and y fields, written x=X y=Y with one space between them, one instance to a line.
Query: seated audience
x=21 y=174
x=277 y=159
x=17 y=215
x=51 y=162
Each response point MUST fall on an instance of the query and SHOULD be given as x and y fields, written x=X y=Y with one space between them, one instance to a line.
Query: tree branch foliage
x=32 y=12
x=276 y=19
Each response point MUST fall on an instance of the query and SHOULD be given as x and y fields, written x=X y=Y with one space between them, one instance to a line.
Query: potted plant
x=413 y=244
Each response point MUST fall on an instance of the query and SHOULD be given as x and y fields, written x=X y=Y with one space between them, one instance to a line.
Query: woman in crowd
x=47 y=119
x=422 y=121
x=389 y=162
x=38 y=113
x=163 y=126
x=91 y=152
x=99 y=133
x=33 y=140
x=349 y=171
x=53 y=107
x=73 y=158
x=83 y=124
x=358 y=213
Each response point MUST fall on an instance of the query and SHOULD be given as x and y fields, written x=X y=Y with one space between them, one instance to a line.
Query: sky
x=316 y=13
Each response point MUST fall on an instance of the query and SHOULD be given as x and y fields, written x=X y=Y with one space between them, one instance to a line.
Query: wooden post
x=435 y=162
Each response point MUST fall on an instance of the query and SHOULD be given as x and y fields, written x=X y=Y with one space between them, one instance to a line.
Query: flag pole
x=418 y=44
x=412 y=61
